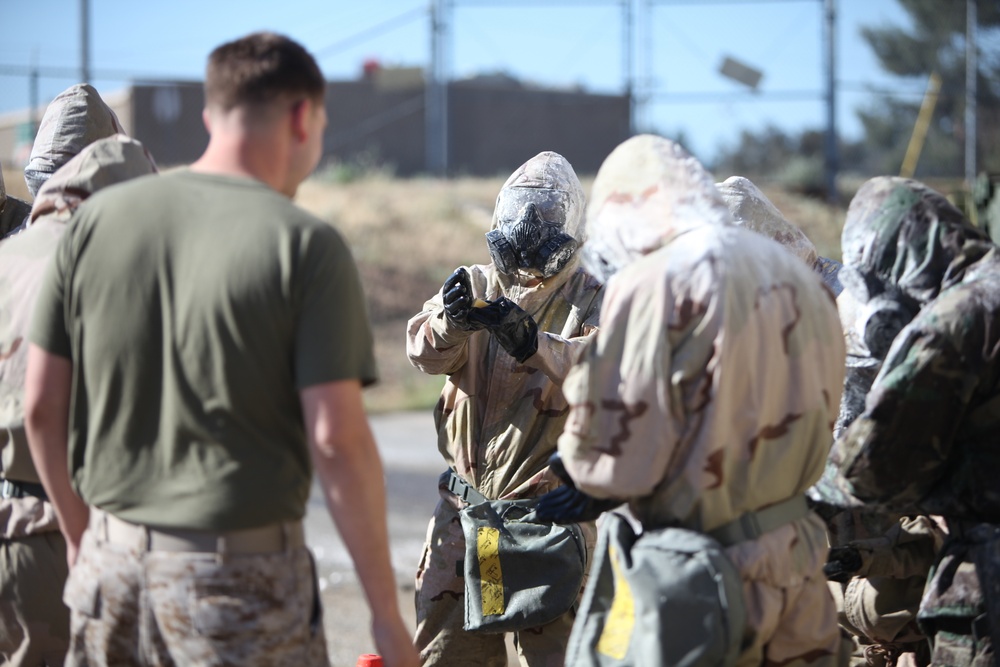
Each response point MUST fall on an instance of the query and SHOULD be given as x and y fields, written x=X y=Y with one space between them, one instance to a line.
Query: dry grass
x=409 y=234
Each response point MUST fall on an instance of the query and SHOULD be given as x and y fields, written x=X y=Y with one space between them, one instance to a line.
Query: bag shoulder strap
x=752 y=525
x=458 y=486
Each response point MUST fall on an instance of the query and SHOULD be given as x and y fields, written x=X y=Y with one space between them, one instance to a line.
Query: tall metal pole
x=84 y=41
x=436 y=92
x=645 y=123
x=33 y=97
x=832 y=159
x=971 y=71
x=628 y=29
x=444 y=77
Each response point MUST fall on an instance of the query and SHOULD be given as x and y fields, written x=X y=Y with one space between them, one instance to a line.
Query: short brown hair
x=259 y=69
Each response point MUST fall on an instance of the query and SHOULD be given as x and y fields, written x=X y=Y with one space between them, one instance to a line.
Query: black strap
x=10 y=488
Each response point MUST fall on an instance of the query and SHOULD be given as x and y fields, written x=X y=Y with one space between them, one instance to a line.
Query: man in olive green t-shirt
x=198 y=340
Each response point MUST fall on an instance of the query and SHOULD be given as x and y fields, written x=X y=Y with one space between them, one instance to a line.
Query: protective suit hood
x=75 y=118
x=752 y=209
x=104 y=162
x=902 y=238
x=538 y=219
x=648 y=191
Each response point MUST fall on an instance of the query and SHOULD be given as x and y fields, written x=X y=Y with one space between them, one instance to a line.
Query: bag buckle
x=459 y=487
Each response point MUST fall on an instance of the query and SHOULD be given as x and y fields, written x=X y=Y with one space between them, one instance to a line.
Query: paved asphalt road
x=408 y=444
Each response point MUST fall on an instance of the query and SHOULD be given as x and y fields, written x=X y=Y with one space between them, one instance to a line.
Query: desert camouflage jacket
x=24 y=258
x=498 y=420
x=713 y=382
x=926 y=441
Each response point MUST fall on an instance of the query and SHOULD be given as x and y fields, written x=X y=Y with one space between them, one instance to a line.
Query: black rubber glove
x=842 y=564
x=567 y=504
x=514 y=329
x=457 y=296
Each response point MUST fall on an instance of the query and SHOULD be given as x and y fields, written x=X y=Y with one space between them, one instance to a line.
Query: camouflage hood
x=647 y=192
x=104 y=162
x=75 y=118
x=902 y=237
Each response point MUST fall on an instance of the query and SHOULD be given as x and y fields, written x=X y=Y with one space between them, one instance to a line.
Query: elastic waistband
x=266 y=539
x=10 y=488
x=752 y=525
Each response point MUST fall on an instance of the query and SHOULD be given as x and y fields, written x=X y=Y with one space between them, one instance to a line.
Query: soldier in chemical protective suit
x=876 y=602
x=502 y=409
x=925 y=442
x=13 y=211
x=74 y=119
x=34 y=622
x=706 y=401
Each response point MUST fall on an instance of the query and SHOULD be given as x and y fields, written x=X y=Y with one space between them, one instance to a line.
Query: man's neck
x=237 y=150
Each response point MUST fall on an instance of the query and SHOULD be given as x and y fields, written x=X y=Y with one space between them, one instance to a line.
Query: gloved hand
x=457 y=296
x=842 y=564
x=514 y=329
x=567 y=504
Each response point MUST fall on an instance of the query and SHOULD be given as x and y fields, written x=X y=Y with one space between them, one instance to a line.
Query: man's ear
x=299 y=118
x=206 y=120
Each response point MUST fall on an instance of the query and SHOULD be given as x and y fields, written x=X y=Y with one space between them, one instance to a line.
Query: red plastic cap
x=369 y=660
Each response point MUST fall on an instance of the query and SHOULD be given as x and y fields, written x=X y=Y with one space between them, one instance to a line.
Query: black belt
x=10 y=488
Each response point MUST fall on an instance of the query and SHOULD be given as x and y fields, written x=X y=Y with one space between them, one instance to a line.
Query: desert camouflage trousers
x=134 y=607
x=34 y=622
x=440 y=604
x=791 y=617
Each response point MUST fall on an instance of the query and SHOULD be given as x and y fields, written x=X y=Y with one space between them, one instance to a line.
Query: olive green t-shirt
x=193 y=308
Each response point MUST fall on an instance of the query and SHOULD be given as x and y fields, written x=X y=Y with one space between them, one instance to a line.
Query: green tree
x=935 y=42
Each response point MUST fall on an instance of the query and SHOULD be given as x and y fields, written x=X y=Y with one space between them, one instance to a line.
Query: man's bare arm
x=350 y=471
x=46 y=416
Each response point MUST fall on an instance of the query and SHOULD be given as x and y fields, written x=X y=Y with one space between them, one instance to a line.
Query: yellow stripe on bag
x=617 y=632
x=488 y=550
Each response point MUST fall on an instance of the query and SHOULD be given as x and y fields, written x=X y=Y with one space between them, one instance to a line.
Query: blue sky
x=678 y=47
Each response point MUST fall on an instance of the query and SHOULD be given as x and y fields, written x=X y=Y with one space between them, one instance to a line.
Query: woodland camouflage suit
x=34 y=623
x=926 y=440
x=711 y=388
x=498 y=421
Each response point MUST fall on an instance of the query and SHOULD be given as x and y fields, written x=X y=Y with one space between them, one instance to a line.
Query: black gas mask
x=886 y=310
x=530 y=232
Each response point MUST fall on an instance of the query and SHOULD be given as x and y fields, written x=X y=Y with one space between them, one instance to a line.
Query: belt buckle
x=7 y=489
